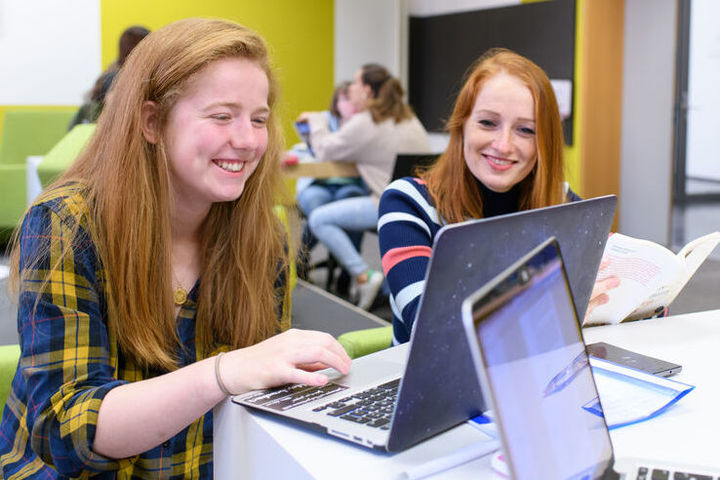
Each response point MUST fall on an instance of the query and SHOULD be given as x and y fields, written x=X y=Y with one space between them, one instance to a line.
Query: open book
x=651 y=276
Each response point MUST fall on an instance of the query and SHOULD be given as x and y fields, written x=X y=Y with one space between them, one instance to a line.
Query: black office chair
x=407 y=164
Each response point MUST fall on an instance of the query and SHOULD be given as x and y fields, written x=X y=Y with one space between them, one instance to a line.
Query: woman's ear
x=149 y=121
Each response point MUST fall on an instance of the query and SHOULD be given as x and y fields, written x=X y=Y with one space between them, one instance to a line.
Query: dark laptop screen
x=538 y=374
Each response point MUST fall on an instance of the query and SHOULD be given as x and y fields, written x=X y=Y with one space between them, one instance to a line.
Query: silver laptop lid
x=464 y=258
x=526 y=342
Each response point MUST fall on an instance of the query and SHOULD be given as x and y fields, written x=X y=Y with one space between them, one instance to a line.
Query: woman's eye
x=221 y=116
x=260 y=121
x=486 y=123
x=526 y=131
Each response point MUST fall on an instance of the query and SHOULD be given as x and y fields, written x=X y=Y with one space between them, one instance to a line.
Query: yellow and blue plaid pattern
x=70 y=361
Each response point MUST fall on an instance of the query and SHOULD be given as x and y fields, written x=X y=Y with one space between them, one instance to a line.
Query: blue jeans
x=331 y=222
x=318 y=194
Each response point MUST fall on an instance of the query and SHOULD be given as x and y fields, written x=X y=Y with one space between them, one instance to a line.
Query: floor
x=701 y=293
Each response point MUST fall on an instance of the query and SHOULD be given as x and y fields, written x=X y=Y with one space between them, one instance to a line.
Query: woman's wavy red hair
x=453 y=187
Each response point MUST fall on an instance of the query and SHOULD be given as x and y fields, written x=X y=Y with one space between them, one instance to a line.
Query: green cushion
x=31 y=132
x=64 y=153
x=24 y=133
x=9 y=355
x=363 y=342
x=13 y=196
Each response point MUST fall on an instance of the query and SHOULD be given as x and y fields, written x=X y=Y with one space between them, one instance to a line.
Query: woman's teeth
x=231 y=166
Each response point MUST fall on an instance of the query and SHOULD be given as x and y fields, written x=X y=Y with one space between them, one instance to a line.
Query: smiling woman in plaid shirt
x=155 y=252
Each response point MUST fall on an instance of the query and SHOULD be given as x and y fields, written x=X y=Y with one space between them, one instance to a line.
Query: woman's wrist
x=219 y=378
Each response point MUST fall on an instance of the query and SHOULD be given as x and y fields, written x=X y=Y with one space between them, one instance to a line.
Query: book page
x=645 y=269
x=695 y=252
x=692 y=256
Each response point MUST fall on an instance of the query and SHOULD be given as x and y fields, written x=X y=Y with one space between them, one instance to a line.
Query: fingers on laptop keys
x=289 y=357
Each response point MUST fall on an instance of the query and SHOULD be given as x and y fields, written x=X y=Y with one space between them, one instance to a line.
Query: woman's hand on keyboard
x=289 y=357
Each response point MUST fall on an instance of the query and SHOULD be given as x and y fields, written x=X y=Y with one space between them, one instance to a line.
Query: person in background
x=325 y=190
x=383 y=127
x=505 y=155
x=151 y=275
x=90 y=110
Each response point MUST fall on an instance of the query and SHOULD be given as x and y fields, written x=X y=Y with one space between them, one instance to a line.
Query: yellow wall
x=300 y=36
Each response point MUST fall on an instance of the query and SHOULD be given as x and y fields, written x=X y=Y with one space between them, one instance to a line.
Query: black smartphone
x=632 y=359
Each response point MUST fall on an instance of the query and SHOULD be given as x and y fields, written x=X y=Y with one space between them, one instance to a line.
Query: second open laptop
x=433 y=387
x=531 y=361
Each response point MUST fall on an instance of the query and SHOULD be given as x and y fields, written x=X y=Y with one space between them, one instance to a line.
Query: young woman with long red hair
x=151 y=275
x=505 y=154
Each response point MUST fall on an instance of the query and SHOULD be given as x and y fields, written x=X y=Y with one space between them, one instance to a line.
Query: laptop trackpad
x=368 y=373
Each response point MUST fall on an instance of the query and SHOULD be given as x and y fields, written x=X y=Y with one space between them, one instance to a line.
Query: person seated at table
x=505 y=154
x=151 y=275
x=313 y=192
x=383 y=127
x=90 y=110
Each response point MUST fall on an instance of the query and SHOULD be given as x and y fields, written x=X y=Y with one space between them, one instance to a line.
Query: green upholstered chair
x=64 y=153
x=9 y=355
x=362 y=342
x=25 y=133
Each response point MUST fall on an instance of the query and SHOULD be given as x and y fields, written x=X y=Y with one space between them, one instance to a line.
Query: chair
x=362 y=342
x=64 y=153
x=25 y=133
x=406 y=164
x=9 y=355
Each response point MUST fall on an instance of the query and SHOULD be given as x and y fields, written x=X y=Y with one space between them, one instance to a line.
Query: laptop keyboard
x=645 y=473
x=291 y=396
x=372 y=407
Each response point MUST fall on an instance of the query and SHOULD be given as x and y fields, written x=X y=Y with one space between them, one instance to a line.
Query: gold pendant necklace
x=180 y=296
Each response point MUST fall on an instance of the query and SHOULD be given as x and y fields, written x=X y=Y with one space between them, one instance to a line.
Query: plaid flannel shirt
x=70 y=361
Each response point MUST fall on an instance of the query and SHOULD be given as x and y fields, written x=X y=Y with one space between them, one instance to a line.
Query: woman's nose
x=503 y=140
x=242 y=135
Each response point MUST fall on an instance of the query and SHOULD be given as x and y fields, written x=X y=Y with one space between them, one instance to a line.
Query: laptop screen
x=537 y=373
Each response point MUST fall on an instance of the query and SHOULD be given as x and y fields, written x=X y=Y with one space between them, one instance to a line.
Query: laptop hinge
x=610 y=474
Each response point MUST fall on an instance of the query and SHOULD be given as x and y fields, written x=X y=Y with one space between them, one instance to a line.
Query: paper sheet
x=630 y=396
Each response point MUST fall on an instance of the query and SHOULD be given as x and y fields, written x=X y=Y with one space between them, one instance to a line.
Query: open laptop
x=522 y=330
x=434 y=384
x=302 y=128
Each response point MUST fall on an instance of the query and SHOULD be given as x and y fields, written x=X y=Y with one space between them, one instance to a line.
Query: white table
x=247 y=445
x=687 y=432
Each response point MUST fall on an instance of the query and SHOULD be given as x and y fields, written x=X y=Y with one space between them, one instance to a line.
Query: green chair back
x=362 y=342
x=9 y=355
x=31 y=132
x=64 y=153
x=25 y=133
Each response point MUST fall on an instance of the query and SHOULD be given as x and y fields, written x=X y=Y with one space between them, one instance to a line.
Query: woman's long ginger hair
x=450 y=182
x=129 y=195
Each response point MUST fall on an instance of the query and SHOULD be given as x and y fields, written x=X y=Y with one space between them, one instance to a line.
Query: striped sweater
x=407 y=227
